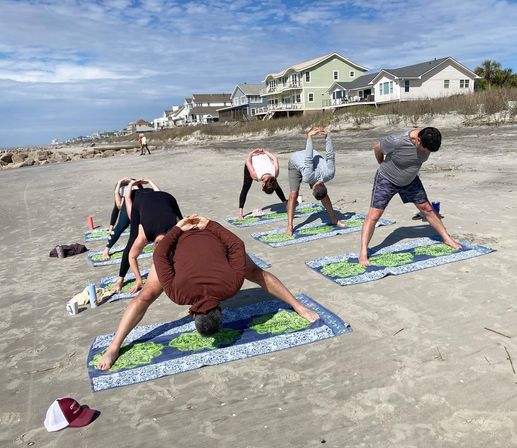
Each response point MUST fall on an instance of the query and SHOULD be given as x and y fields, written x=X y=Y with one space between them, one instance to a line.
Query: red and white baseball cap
x=65 y=412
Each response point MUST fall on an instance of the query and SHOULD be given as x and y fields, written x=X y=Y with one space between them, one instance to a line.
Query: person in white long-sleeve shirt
x=310 y=167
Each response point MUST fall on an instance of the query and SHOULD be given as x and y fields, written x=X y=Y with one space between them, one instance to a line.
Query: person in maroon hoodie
x=199 y=263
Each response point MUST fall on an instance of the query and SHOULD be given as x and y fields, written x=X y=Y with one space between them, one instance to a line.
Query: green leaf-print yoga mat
x=153 y=351
x=99 y=234
x=95 y=257
x=301 y=210
x=396 y=259
x=313 y=231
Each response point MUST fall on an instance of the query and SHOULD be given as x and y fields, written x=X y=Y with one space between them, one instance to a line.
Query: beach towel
x=95 y=257
x=99 y=234
x=271 y=216
x=124 y=293
x=313 y=231
x=400 y=258
x=259 y=261
x=153 y=351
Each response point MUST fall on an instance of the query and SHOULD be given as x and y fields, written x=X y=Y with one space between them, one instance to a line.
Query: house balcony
x=271 y=90
x=280 y=107
x=348 y=101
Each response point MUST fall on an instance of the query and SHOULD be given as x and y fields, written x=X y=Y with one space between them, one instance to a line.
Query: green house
x=304 y=87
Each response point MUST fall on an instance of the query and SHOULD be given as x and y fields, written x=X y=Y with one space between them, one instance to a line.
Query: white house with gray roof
x=431 y=79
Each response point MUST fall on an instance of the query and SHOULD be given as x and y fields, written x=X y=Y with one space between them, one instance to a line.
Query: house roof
x=205 y=110
x=358 y=83
x=174 y=113
x=249 y=89
x=211 y=97
x=313 y=62
x=419 y=70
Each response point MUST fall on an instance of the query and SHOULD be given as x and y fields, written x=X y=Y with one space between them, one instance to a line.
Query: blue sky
x=73 y=67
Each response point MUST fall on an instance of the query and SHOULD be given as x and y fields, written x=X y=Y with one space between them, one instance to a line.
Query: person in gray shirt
x=310 y=167
x=400 y=157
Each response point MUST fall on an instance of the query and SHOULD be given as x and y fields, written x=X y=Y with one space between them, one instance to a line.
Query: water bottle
x=92 y=293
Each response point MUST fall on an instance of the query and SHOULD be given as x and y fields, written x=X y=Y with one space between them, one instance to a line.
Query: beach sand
x=420 y=369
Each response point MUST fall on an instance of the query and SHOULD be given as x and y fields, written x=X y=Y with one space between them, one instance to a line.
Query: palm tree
x=488 y=70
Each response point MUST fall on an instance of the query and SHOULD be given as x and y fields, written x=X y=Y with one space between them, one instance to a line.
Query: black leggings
x=246 y=185
x=122 y=224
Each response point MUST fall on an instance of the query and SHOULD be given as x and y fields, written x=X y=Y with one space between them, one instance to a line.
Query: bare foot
x=106 y=254
x=308 y=314
x=118 y=285
x=107 y=360
x=340 y=223
x=452 y=243
x=363 y=259
x=289 y=232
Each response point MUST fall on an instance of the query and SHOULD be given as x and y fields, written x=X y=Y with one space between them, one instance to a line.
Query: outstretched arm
x=379 y=155
x=163 y=256
x=234 y=246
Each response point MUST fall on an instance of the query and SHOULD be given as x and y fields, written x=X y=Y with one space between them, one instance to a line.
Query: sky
x=74 y=67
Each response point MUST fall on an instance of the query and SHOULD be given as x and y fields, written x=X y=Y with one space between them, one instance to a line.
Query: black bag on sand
x=69 y=250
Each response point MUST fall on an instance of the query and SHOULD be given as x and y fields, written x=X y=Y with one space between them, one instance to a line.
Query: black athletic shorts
x=384 y=190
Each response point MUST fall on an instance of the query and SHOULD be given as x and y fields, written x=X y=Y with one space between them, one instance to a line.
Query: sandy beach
x=421 y=368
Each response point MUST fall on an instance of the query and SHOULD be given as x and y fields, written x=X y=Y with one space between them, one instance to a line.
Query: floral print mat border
x=153 y=351
x=399 y=258
x=313 y=231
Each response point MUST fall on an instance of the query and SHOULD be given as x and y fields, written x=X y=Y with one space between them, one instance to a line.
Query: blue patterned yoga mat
x=396 y=259
x=301 y=210
x=129 y=280
x=153 y=351
x=94 y=257
x=262 y=264
x=99 y=234
x=313 y=231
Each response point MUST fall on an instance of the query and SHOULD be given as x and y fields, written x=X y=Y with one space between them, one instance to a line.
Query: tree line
x=494 y=76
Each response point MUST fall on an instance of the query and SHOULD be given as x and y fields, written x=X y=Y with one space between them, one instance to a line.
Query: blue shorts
x=384 y=190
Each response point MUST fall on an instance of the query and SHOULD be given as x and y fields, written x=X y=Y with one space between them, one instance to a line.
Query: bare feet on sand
x=107 y=360
x=106 y=254
x=363 y=259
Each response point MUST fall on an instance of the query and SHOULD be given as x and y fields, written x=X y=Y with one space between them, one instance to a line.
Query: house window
x=464 y=83
x=445 y=83
x=406 y=85
x=338 y=94
x=391 y=86
x=380 y=88
x=253 y=111
x=298 y=99
x=307 y=76
x=335 y=75
x=386 y=89
x=311 y=97
x=352 y=74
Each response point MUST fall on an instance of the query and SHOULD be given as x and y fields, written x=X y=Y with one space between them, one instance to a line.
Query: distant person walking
x=260 y=166
x=400 y=157
x=143 y=144
x=309 y=167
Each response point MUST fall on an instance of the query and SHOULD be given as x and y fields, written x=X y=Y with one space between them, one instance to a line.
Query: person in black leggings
x=119 y=220
x=260 y=166
x=153 y=214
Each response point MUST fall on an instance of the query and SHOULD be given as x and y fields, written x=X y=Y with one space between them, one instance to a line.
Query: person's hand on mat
x=136 y=287
x=307 y=313
x=106 y=253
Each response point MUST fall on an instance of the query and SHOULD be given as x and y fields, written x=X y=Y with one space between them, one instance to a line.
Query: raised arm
x=235 y=251
x=151 y=184
x=118 y=198
x=249 y=165
x=378 y=153
x=163 y=256
x=274 y=159
x=127 y=198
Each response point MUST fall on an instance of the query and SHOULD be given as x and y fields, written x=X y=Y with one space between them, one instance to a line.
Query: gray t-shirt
x=402 y=160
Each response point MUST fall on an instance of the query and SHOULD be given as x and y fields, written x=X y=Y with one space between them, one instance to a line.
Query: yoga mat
x=301 y=210
x=99 y=234
x=400 y=258
x=116 y=255
x=313 y=231
x=262 y=264
x=129 y=280
x=153 y=351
